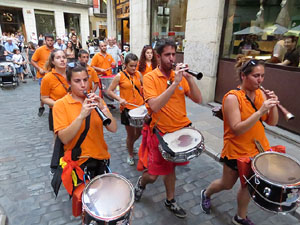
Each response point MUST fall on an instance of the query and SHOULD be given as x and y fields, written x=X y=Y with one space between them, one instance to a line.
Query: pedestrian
x=54 y=85
x=21 y=41
x=39 y=59
x=33 y=38
x=59 y=44
x=164 y=93
x=70 y=52
x=71 y=114
x=83 y=59
x=91 y=50
x=115 y=52
x=103 y=62
x=244 y=109
x=76 y=44
x=18 y=61
x=41 y=40
x=29 y=53
x=148 y=60
x=130 y=83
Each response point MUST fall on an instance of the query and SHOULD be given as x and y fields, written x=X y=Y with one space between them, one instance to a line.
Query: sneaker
x=138 y=190
x=205 y=202
x=130 y=161
x=174 y=208
x=238 y=221
x=41 y=111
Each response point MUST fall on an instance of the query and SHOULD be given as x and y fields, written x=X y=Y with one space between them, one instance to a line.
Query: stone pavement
x=26 y=196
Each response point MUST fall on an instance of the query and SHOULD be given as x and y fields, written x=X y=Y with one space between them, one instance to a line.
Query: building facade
x=47 y=16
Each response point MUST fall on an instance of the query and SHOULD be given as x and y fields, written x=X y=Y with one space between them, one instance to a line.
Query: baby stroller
x=8 y=75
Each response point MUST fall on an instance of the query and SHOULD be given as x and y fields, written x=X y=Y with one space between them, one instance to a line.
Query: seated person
x=291 y=57
x=248 y=43
x=278 y=52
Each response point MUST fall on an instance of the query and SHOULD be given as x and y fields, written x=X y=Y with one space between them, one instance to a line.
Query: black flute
x=105 y=120
x=193 y=73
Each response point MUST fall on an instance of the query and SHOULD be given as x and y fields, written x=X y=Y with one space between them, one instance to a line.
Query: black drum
x=107 y=200
x=275 y=184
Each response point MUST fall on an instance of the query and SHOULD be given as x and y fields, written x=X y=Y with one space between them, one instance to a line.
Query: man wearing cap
x=9 y=47
x=59 y=44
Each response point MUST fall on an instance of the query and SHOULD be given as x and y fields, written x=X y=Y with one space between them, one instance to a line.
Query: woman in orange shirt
x=70 y=113
x=130 y=83
x=54 y=85
x=148 y=61
x=243 y=124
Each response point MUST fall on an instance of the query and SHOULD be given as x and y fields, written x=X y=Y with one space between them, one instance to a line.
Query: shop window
x=45 y=23
x=168 y=21
x=254 y=27
x=72 y=21
x=11 y=20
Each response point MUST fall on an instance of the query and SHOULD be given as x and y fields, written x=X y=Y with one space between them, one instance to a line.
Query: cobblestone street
x=27 y=198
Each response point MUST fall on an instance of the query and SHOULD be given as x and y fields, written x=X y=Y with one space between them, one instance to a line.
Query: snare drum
x=187 y=143
x=108 y=199
x=275 y=183
x=136 y=116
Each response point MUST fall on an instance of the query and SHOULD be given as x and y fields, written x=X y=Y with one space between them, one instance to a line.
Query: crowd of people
x=69 y=86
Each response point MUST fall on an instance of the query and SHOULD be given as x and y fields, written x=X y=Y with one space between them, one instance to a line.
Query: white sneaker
x=130 y=161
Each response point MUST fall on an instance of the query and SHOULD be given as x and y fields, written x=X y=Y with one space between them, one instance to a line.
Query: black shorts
x=125 y=117
x=96 y=167
x=50 y=120
x=231 y=163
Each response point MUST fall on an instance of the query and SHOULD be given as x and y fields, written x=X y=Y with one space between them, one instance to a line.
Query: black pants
x=95 y=167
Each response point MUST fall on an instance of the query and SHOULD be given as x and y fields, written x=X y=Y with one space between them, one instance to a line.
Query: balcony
x=80 y=3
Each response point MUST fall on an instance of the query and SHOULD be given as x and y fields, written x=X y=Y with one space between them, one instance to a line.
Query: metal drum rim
x=272 y=182
x=107 y=219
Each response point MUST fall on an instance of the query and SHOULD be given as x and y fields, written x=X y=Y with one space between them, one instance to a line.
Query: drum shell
x=124 y=220
x=136 y=121
x=106 y=81
x=276 y=200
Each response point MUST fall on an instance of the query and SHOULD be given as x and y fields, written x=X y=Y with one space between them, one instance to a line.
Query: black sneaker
x=138 y=190
x=205 y=202
x=41 y=111
x=238 y=221
x=174 y=208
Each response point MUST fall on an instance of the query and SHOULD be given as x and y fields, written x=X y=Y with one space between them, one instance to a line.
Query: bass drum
x=275 y=184
x=108 y=200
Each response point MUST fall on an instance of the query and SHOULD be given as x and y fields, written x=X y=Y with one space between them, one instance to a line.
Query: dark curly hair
x=142 y=62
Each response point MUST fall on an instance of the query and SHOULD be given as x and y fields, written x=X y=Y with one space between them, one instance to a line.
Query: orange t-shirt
x=93 y=77
x=41 y=56
x=52 y=87
x=147 y=69
x=173 y=115
x=128 y=91
x=65 y=111
x=103 y=62
x=243 y=145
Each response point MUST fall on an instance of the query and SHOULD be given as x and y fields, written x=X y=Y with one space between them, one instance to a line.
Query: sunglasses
x=250 y=63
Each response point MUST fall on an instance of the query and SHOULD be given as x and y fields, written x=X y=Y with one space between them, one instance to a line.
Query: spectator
x=18 y=61
x=3 y=38
x=3 y=53
x=21 y=41
x=9 y=47
x=91 y=50
x=278 y=52
x=114 y=51
x=72 y=32
x=291 y=57
x=41 y=40
x=33 y=38
x=29 y=53
x=59 y=44
x=126 y=51
x=248 y=44
x=70 y=52
x=76 y=45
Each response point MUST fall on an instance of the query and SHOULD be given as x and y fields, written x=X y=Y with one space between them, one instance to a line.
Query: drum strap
x=61 y=82
x=138 y=90
x=163 y=144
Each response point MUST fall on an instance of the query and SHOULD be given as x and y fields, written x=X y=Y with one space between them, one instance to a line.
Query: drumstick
x=133 y=105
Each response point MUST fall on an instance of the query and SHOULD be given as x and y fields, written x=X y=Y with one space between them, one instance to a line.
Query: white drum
x=186 y=143
x=108 y=199
x=136 y=116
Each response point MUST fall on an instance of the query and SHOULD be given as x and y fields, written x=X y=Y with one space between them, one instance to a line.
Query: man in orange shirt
x=165 y=91
x=103 y=62
x=39 y=59
x=83 y=58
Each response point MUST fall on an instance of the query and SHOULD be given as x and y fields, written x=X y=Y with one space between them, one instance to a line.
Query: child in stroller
x=7 y=70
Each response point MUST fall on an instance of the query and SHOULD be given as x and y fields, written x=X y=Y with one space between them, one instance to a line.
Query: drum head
x=183 y=139
x=138 y=112
x=277 y=168
x=108 y=197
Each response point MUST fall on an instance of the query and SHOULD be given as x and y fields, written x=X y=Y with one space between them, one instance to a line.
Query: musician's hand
x=123 y=102
x=271 y=95
x=179 y=72
x=42 y=71
x=267 y=105
x=87 y=106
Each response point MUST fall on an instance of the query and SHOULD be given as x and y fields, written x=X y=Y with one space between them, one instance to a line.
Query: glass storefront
x=168 y=21
x=254 y=27
x=72 y=20
x=11 y=20
x=123 y=22
x=45 y=23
